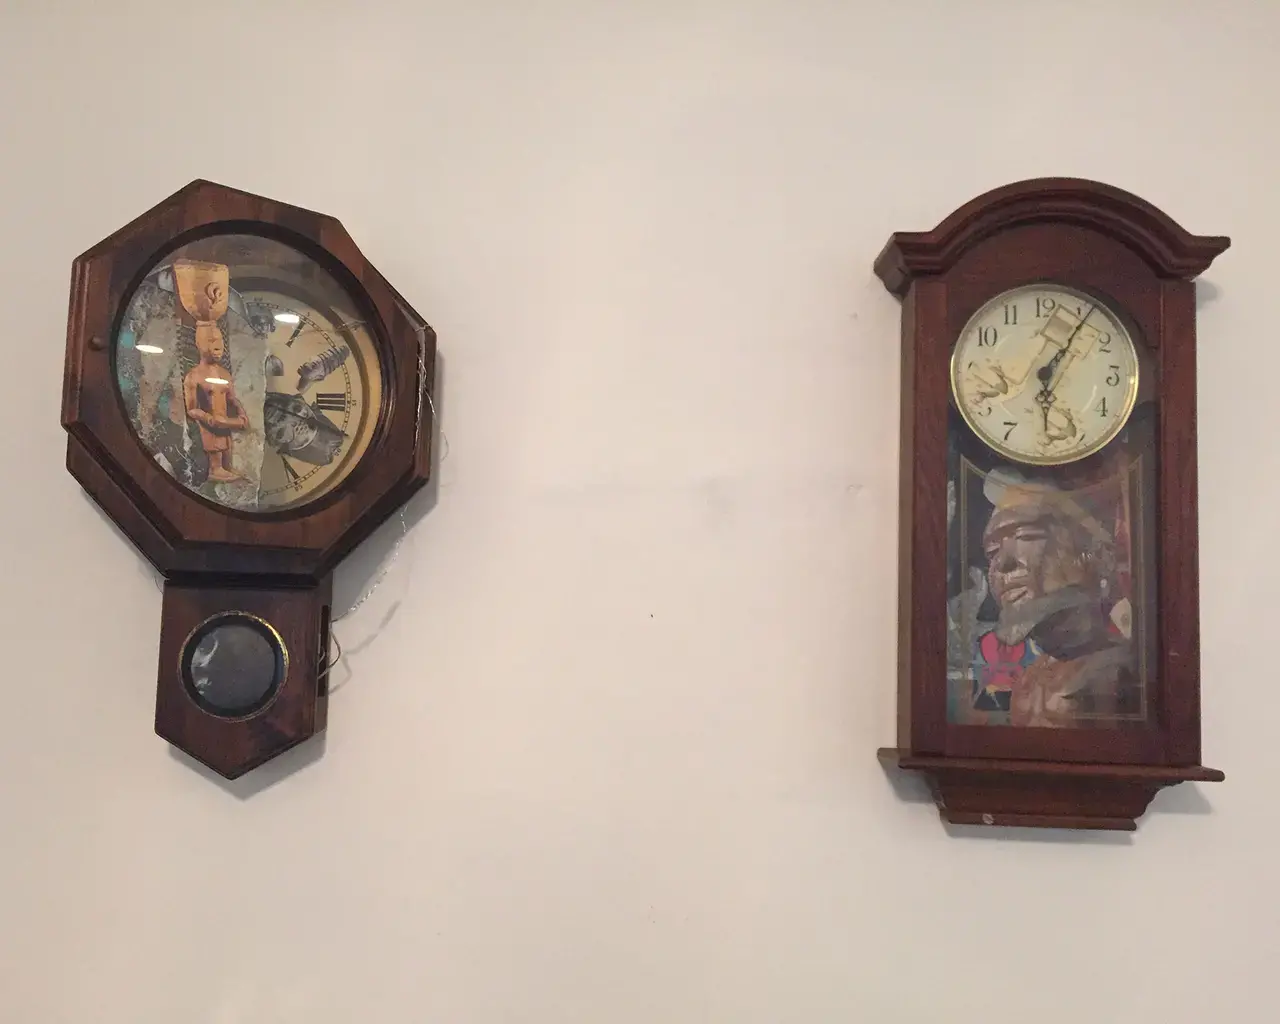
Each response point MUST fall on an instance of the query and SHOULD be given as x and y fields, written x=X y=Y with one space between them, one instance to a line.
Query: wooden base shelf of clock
x=1043 y=794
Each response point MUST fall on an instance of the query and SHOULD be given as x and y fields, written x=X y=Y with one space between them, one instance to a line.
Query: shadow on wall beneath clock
x=144 y=566
x=1206 y=293
x=264 y=776
x=908 y=787
x=1065 y=836
x=1187 y=798
x=382 y=563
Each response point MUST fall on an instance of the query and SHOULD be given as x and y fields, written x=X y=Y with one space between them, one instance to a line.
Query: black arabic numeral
x=1011 y=425
x=1102 y=406
x=1011 y=314
x=1105 y=345
x=1045 y=306
x=1113 y=378
x=987 y=337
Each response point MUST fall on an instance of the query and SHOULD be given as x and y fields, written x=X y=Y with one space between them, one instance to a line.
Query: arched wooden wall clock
x=248 y=399
x=1049 y=670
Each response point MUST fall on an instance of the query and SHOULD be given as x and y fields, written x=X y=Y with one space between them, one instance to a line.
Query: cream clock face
x=1045 y=374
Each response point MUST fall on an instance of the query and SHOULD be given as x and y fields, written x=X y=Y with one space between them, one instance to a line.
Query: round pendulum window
x=233 y=664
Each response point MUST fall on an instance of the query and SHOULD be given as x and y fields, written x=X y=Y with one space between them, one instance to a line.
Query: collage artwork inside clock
x=247 y=373
x=1049 y=500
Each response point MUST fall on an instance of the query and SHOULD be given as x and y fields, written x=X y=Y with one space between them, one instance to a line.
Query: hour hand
x=1057 y=423
x=1060 y=425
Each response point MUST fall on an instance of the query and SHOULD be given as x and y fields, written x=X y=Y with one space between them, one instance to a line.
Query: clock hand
x=1063 y=425
x=1046 y=373
x=341 y=326
x=1044 y=400
x=1050 y=378
x=1065 y=429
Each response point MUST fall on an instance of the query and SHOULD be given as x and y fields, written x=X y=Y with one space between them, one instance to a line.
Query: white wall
x=604 y=744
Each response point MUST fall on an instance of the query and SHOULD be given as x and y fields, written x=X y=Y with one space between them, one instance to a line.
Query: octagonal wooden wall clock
x=248 y=399
x=1049 y=669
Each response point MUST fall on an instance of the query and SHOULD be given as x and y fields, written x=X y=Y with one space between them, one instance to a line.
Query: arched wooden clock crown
x=242 y=574
x=1049 y=669
x=1164 y=245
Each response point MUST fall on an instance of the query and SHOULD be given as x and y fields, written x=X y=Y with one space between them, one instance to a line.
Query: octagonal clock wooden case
x=247 y=398
x=1049 y=669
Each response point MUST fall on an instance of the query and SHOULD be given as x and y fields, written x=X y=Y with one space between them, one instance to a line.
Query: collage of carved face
x=1050 y=496
x=248 y=373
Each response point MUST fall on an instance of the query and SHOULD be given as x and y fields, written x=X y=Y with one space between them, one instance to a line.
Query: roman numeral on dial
x=335 y=401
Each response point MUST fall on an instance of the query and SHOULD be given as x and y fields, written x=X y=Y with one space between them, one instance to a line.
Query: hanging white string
x=423 y=394
x=382 y=573
x=328 y=662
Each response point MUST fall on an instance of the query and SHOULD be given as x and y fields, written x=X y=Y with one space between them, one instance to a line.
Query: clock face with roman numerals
x=1045 y=374
x=323 y=364
x=248 y=373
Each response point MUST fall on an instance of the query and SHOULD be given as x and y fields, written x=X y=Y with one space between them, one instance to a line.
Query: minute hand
x=1048 y=374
